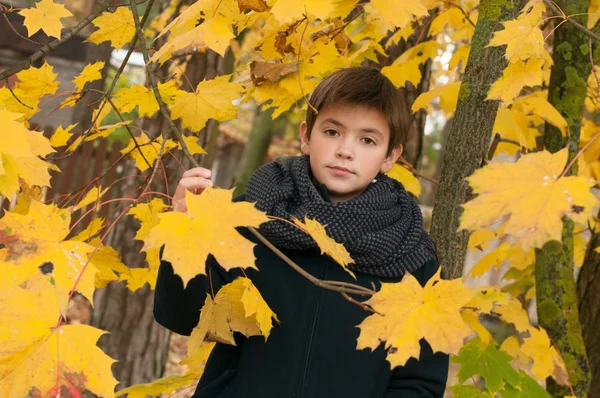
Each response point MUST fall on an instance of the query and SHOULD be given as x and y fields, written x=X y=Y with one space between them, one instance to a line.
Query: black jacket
x=312 y=353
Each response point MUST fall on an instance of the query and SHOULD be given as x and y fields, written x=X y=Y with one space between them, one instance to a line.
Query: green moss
x=549 y=310
x=464 y=92
x=585 y=49
x=493 y=9
x=565 y=49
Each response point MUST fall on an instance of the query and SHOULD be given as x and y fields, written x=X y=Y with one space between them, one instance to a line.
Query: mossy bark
x=555 y=283
x=588 y=291
x=470 y=134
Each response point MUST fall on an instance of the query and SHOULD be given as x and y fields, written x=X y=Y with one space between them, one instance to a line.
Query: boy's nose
x=344 y=152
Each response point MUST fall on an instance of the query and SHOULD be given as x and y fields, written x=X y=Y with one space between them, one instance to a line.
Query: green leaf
x=477 y=358
x=469 y=392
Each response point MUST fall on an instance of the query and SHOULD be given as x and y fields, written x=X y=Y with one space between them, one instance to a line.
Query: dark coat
x=312 y=353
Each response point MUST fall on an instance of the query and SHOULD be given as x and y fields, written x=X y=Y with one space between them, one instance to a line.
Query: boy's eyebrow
x=364 y=130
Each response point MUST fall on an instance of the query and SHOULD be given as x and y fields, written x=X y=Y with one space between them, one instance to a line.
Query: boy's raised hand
x=195 y=180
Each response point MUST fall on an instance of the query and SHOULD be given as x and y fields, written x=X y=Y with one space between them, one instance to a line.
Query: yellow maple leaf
x=448 y=95
x=90 y=73
x=35 y=242
x=532 y=195
x=107 y=262
x=335 y=250
x=512 y=311
x=408 y=179
x=39 y=354
x=165 y=385
x=471 y=318
x=190 y=39
x=91 y=196
x=211 y=100
x=126 y=99
x=480 y=239
x=91 y=230
x=546 y=359
x=147 y=215
x=398 y=12
x=10 y=103
x=407 y=66
x=147 y=151
x=45 y=16
x=191 y=142
x=407 y=312
x=522 y=36
x=533 y=104
x=61 y=136
x=497 y=257
x=593 y=13
x=20 y=149
x=209 y=227
x=237 y=307
x=34 y=83
x=117 y=27
x=516 y=76
x=513 y=124
x=287 y=11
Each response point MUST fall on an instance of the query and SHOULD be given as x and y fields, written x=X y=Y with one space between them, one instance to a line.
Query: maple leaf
x=209 y=227
x=522 y=37
x=478 y=358
x=45 y=16
x=407 y=66
x=147 y=215
x=512 y=311
x=90 y=73
x=448 y=95
x=34 y=83
x=335 y=250
x=513 y=124
x=35 y=242
x=495 y=258
x=39 y=354
x=237 y=307
x=91 y=196
x=190 y=39
x=149 y=150
x=61 y=136
x=19 y=151
x=117 y=27
x=105 y=131
x=287 y=11
x=164 y=385
x=211 y=100
x=126 y=99
x=91 y=230
x=406 y=178
x=191 y=142
x=254 y=5
x=532 y=195
x=407 y=312
x=516 y=76
x=272 y=71
x=107 y=262
x=534 y=104
x=398 y=12
x=546 y=360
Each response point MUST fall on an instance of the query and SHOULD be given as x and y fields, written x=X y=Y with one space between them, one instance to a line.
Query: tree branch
x=52 y=45
x=557 y=12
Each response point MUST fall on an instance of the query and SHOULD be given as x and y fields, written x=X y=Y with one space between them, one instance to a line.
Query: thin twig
x=572 y=21
x=17 y=33
x=416 y=172
x=52 y=45
x=579 y=154
x=298 y=72
x=155 y=168
x=164 y=110
x=14 y=95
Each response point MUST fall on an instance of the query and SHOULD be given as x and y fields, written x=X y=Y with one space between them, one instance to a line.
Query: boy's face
x=350 y=137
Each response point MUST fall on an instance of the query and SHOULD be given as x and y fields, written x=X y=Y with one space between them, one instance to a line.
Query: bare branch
x=572 y=21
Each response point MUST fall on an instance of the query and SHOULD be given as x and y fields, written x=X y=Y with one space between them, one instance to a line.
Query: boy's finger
x=197 y=172
x=191 y=183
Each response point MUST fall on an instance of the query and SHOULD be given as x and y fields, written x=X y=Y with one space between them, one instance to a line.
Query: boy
x=355 y=137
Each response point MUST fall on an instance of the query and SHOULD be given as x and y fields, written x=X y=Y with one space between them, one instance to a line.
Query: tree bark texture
x=555 y=283
x=588 y=292
x=470 y=134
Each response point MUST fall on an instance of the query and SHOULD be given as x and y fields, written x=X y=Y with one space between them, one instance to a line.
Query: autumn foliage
x=281 y=50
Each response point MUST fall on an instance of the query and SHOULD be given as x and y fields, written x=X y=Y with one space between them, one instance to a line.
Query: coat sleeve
x=178 y=308
x=427 y=376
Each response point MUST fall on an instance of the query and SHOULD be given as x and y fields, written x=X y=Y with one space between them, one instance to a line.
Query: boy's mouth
x=339 y=170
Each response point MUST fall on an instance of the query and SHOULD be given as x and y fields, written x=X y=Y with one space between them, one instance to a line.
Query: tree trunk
x=588 y=289
x=256 y=148
x=555 y=282
x=470 y=134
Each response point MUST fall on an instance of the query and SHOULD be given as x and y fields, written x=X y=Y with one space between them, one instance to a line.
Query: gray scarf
x=382 y=228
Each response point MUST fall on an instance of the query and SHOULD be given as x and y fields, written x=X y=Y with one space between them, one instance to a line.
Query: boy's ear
x=390 y=160
x=304 y=138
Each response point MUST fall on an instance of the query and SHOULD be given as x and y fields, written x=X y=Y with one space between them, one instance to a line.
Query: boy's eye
x=330 y=132
x=369 y=141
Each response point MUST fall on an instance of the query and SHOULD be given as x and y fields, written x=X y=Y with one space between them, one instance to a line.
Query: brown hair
x=362 y=86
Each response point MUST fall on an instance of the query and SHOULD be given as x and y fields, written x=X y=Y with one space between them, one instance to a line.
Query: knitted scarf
x=382 y=228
